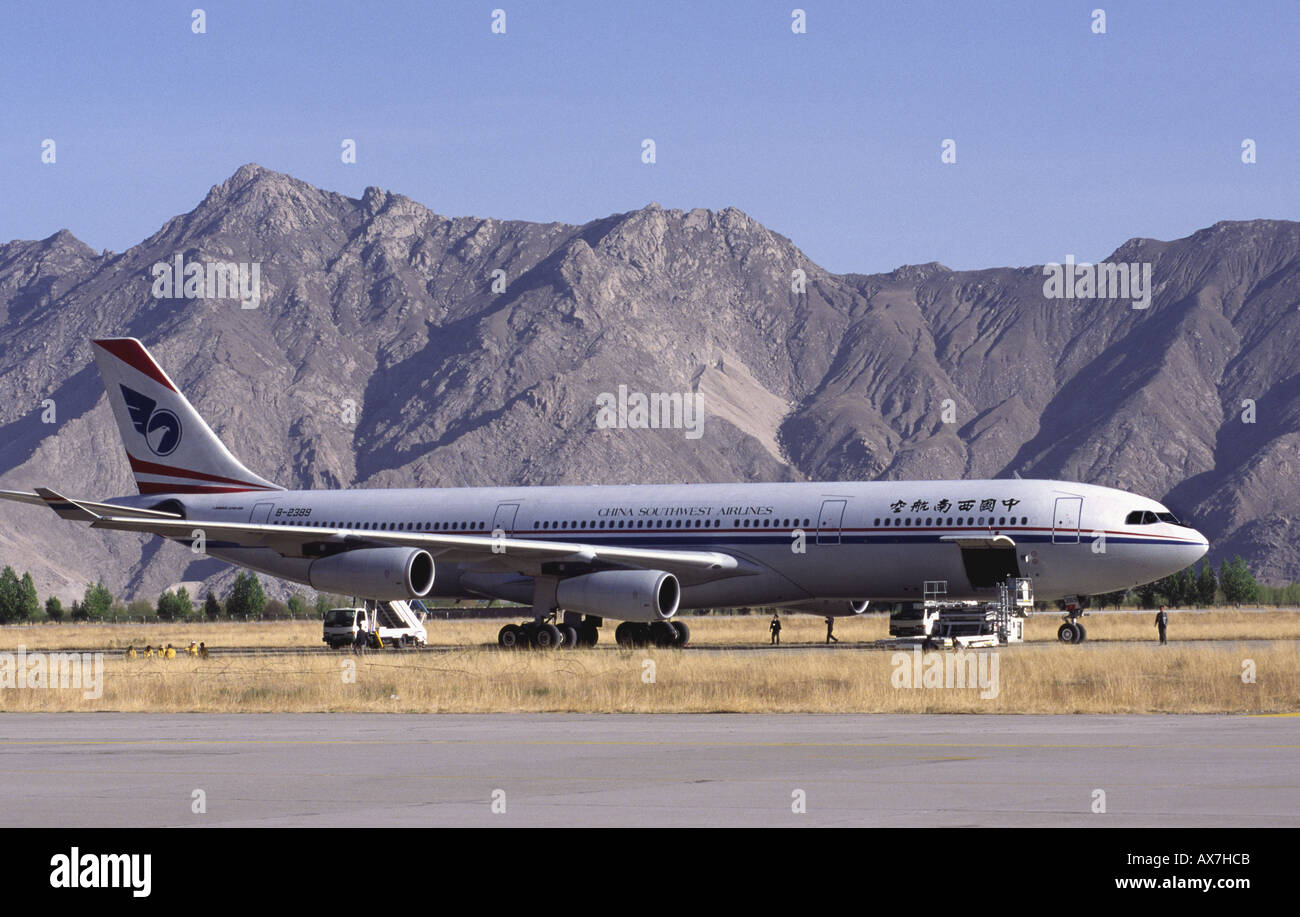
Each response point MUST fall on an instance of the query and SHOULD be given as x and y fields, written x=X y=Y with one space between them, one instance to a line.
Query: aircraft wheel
x=547 y=637
x=1067 y=634
x=683 y=633
x=1083 y=633
x=623 y=633
x=570 y=635
x=662 y=633
x=511 y=637
x=588 y=634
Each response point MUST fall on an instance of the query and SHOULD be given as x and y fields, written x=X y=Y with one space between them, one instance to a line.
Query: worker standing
x=1162 y=623
x=775 y=628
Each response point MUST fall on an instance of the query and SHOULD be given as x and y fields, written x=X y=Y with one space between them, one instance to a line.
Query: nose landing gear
x=1072 y=631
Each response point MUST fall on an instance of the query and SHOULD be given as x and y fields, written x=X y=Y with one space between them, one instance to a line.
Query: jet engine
x=627 y=595
x=382 y=574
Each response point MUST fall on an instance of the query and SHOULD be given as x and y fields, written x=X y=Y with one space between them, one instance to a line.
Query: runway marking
x=685 y=780
x=619 y=743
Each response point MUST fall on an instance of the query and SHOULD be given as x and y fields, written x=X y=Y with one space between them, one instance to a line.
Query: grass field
x=725 y=630
x=1107 y=675
x=1120 y=678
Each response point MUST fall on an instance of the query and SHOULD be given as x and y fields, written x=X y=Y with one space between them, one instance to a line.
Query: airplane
x=635 y=553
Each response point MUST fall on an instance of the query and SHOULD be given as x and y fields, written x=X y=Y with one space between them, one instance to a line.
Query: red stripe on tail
x=140 y=466
x=132 y=353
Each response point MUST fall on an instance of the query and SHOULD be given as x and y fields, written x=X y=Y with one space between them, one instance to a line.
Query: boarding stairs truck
x=394 y=623
x=937 y=621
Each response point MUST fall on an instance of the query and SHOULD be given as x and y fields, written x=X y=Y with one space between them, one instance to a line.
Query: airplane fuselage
x=851 y=540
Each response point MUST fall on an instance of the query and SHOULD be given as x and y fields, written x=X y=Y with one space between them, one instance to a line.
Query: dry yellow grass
x=1098 y=679
x=722 y=630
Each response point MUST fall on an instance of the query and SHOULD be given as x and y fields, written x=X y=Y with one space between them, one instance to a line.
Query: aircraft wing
x=484 y=552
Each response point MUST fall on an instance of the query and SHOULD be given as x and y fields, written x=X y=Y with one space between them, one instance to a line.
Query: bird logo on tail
x=160 y=428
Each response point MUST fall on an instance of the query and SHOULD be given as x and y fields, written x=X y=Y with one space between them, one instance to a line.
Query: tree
x=139 y=608
x=297 y=606
x=11 y=596
x=246 y=598
x=54 y=608
x=275 y=609
x=1111 y=598
x=1167 y=589
x=97 y=602
x=30 y=606
x=1146 y=595
x=1250 y=587
x=211 y=607
x=1239 y=585
x=184 y=604
x=1207 y=585
x=175 y=606
x=77 y=612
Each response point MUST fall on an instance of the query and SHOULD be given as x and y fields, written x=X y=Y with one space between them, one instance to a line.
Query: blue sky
x=1068 y=142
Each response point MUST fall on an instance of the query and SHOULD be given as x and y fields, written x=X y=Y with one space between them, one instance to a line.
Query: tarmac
x=387 y=770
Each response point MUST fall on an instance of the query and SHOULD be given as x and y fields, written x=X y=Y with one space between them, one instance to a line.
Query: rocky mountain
x=393 y=346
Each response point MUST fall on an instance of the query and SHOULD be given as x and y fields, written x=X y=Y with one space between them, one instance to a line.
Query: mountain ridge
x=383 y=304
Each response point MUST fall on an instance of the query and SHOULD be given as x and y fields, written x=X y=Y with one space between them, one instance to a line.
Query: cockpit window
x=1146 y=517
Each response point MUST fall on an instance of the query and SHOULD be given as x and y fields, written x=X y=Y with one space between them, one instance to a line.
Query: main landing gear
x=659 y=633
x=547 y=635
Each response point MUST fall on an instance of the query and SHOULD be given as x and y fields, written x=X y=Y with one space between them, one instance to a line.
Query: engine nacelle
x=382 y=574
x=627 y=595
x=834 y=608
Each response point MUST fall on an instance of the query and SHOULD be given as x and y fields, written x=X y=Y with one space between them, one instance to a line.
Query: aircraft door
x=1065 y=521
x=504 y=520
x=829 y=521
x=261 y=513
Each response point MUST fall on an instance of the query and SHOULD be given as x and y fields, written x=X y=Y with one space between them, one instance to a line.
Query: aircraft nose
x=1194 y=552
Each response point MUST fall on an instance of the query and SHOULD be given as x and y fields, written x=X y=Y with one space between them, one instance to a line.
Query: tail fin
x=170 y=448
